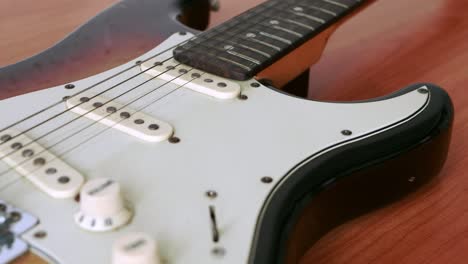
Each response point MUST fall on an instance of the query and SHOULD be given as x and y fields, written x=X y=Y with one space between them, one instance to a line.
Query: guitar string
x=79 y=117
x=36 y=139
x=69 y=109
x=122 y=82
x=113 y=76
x=82 y=91
x=107 y=128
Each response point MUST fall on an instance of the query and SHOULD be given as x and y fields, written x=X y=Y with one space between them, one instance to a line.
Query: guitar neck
x=250 y=42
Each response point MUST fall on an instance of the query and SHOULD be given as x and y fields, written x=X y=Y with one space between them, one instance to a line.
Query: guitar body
x=276 y=196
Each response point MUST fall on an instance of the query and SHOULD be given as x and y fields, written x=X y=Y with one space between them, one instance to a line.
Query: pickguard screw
x=182 y=33
x=218 y=251
x=412 y=179
x=15 y=216
x=212 y=194
x=267 y=179
x=138 y=62
x=255 y=85
x=69 y=86
x=40 y=234
x=347 y=132
x=243 y=97
x=174 y=140
x=423 y=90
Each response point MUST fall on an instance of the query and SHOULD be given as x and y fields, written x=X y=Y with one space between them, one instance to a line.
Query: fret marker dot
x=298 y=9
x=250 y=35
x=84 y=99
x=222 y=85
x=274 y=22
x=228 y=47
x=208 y=80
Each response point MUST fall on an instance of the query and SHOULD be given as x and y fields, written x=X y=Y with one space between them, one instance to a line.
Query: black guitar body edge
x=303 y=208
x=341 y=184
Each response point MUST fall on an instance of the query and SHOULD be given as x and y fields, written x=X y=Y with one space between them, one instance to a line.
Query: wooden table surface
x=387 y=46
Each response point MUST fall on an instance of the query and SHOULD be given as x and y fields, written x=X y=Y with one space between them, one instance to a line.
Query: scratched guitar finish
x=226 y=146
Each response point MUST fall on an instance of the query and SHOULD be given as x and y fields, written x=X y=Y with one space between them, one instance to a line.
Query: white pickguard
x=226 y=145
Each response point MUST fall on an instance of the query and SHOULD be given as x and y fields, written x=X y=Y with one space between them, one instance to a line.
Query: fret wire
x=247 y=57
x=259 y=36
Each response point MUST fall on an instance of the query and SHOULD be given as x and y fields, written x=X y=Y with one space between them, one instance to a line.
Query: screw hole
x=212 y=194
x=347 y=132
x=267 y=179
x=174 y=140
x=40 y=234
x=243 y=97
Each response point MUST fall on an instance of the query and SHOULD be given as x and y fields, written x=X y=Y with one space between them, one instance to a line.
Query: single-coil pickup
x=45 y=170
x=185 y=76
x=120 y=117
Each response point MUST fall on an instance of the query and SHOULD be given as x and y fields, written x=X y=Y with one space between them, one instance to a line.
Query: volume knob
x=135 y=248
x=102 y=207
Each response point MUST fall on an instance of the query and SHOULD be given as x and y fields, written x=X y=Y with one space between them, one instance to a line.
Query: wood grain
x=386 y=47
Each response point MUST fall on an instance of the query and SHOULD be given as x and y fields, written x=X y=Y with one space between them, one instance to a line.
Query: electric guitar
x=188 y=154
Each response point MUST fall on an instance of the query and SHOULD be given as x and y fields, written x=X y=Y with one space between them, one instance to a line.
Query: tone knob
x=102 y=207
x=135 y=248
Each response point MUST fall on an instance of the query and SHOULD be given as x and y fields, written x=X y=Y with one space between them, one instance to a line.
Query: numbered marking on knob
x=135 y=248
x=190 y=78
x=120 y=117
x=102 y=207
x=48 y=172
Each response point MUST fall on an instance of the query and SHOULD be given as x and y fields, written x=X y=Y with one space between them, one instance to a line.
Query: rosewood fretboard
x=248 y=43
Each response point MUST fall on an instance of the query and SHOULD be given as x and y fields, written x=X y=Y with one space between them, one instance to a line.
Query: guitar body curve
x=328 y=190
x=243 y=208
x=120 y=33
x=428 y=132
